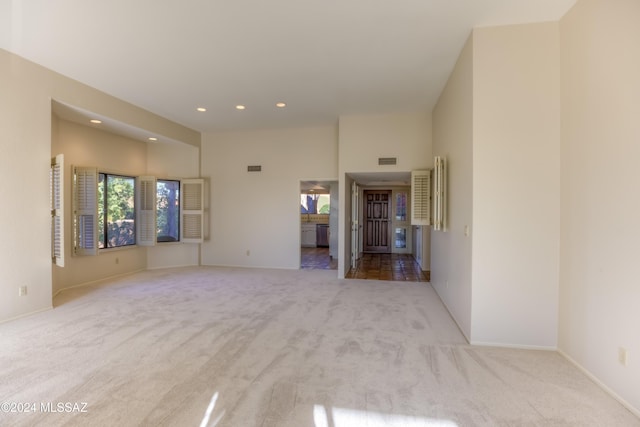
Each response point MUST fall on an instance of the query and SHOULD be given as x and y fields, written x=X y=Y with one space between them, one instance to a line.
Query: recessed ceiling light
x=240 y=107
x=153 y=138
x=201 y=109
x=96 y=121
x=281 y=104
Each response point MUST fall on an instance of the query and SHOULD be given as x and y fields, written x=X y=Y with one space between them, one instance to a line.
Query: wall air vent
x=255 y=168
x=384 y=161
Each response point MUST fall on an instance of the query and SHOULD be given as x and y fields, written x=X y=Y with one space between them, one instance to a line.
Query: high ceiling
x=322 y=58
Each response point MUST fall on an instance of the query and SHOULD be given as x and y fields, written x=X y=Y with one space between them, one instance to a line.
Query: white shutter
x=192 y=210
x=85 y=211
x=421 y=197
x=146 y=223
x=440 y=194
x=56 y=184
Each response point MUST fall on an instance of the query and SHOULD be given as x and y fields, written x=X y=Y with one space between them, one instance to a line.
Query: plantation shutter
x=56 y=184
x=146 y=223
x=192 y=210
x=85 y=211
x=421 y=197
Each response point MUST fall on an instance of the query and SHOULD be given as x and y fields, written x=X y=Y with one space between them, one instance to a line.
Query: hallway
x=398 y=267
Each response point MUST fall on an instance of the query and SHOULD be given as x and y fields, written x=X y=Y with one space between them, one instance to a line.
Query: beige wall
x=600 y=240
x=516 y=197
x=87 y=146
x=363 y=139
x=498 y=123
x=453 y=138
x=173 y=161
x=26 y=143
x=259 y=212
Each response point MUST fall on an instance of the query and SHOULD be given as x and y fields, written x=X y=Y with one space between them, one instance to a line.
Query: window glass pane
x=314 y=203
x=401 y=238
x=401 y=206
x=168 y=211
x=119 y=210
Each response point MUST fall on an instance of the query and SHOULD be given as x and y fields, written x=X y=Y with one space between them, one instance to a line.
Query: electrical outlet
x=117 y=260
x=22 y=291
x=623 y=355
x=248 y=252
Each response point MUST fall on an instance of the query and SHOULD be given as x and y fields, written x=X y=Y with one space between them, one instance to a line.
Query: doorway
x=377 y=221
x=318 y=225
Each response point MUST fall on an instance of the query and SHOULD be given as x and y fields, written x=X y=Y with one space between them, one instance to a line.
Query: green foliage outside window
x=168 y=210
x=116 y=211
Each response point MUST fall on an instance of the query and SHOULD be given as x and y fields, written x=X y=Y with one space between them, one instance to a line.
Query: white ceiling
x=323 y=58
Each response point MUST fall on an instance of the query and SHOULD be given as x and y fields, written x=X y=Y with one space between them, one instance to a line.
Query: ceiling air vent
x=387 y=161
x=255 y=168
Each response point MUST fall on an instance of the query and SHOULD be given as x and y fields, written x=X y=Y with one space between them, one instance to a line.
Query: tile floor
x=317 y=258
x=399 y=267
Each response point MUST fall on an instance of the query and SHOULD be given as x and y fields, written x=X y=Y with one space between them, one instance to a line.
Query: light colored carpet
x=238 y=347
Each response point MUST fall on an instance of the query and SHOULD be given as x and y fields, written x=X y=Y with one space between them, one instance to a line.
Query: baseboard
x=93 y=282
x=616 y=396
x=31 y=313
x=450 y=313
x=252 y=267
x=166 y=267
x=514 y=346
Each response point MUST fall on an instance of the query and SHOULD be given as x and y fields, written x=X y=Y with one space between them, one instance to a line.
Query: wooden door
x=377 y=210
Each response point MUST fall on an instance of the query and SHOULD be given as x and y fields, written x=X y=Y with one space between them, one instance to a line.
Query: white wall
x=173 y=160
x=25 y=142
x=259 y=212
x=453 y=139
x=516 y=197
x=600 y=241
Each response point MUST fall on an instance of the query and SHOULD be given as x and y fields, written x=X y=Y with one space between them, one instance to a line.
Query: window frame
x=179 y=212
x=85 y=215
x=104 y=202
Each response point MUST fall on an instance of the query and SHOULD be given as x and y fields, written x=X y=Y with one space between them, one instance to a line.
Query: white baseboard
x=31 y=313
x=166 y=267
x=450 y=313
x=515 y=346
x=94 y=282
x=616 y=396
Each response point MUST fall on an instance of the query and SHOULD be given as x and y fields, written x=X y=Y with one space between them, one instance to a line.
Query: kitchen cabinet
x=308 y=235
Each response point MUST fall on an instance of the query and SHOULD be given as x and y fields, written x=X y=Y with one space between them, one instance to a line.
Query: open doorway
x=382 y=241
x=319 y=225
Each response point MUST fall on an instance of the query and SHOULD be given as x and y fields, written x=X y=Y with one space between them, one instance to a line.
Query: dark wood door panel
x=377 y=221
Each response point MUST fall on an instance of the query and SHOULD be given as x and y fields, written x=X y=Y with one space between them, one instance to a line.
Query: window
x=401 y=238
x=116 y=211
x=314 y=203
x=168 y=210
x=111 y=211
x=401 y=206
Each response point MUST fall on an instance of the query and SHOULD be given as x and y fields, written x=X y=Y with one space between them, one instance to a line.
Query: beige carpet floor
x=237 y=347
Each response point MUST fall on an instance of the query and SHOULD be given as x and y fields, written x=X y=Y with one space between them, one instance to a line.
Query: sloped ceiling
x=322 y=58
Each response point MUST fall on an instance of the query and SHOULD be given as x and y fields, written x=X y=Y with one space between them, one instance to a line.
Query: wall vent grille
x=384 y=161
